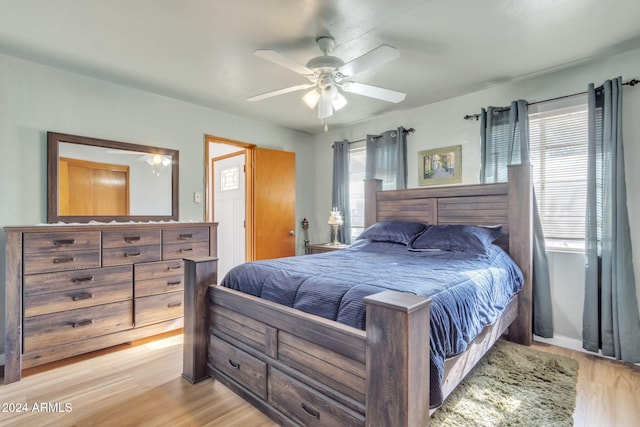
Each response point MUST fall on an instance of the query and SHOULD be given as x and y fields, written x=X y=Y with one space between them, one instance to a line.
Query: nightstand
x=318 y=248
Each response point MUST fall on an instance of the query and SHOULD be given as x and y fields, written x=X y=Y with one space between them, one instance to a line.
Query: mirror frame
x=53 y=148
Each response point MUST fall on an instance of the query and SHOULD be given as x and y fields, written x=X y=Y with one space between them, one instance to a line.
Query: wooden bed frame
x=302 y=369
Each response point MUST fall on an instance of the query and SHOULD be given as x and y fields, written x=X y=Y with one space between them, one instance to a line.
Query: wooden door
x=92 y=188
x=274 y=203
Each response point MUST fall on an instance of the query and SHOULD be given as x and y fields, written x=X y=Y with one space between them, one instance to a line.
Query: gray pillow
x=453 y=237
x=393 y=231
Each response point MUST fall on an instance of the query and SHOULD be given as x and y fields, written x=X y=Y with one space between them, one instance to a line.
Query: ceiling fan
x=327 y=74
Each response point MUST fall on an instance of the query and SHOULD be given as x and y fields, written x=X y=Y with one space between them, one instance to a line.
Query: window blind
x=558 y=152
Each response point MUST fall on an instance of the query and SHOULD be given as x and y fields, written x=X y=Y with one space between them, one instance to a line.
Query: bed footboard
x=302 y=369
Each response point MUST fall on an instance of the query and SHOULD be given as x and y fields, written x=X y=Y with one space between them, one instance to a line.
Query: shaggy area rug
x=513 y=385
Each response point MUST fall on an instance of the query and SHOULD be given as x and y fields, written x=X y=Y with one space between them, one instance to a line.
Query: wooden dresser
x=71 y=289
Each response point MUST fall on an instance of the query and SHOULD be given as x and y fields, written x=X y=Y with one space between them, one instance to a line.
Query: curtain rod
x=631 y=82
x=406 y=131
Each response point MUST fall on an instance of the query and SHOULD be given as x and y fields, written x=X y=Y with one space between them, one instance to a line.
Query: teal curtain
x=387 y=158
x=610 y=318
x=340 y=189
x=505 y=141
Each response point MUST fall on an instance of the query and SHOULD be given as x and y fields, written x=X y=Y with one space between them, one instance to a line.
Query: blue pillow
x=453 y=237
x=393 y=231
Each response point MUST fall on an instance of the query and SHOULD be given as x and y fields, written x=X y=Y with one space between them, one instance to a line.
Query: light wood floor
x=140 y=385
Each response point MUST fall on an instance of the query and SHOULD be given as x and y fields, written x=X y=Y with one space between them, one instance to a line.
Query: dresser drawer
x=185 y=250
x=67 y=281
x=130 y=255
x=37 y=305
x=159 y=285
x=127 y=238
x=63 y=260
x=153 y=270
x=55 y=329
x=239 y=366
x=158 y=308
x=61 y=241
x=182 y=235
x=307 y=406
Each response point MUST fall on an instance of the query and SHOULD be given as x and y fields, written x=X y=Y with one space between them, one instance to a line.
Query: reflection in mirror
x=92 y=179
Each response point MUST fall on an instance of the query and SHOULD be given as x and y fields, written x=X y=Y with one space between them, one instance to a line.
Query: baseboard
x=565 y=342
x=571 y=344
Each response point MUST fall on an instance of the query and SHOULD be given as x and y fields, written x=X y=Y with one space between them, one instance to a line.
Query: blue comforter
x=468 y=291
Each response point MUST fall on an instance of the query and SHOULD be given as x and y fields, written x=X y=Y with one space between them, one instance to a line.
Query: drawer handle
x=132 y=254
x=174 y=267
x=233 y=364
x=82 y=279
x=174 y=283
x=311 y=412
x=81 y=323
x=81 y=296
x=186 y=250
x=131 y=239
x=63 y=242
x=185 y=236
x=63 y=260
x=174 y=304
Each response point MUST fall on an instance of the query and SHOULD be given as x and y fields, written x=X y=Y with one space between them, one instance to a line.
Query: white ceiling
x=201 y=51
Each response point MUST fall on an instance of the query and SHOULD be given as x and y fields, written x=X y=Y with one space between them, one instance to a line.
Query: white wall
x=35 y=99
x=441 y=124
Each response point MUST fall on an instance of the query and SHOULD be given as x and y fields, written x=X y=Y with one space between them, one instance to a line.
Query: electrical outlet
x=197 y=197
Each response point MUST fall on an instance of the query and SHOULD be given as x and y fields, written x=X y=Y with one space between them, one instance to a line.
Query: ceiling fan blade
x=283 y=61
x=280 y=92
x=374 y=92
x=371 y=59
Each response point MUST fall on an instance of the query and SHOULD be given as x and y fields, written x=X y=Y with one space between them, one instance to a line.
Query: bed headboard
x=464 y=204
x=507 y=203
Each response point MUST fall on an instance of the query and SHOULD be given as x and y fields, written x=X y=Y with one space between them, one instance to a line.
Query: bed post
x=13 y=308
x=371 y=187
x=199 y=274
x=521 y=247
x=397 y=368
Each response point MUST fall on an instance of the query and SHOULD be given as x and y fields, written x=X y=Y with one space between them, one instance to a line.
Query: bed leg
x=397 y=360
x=199 y=274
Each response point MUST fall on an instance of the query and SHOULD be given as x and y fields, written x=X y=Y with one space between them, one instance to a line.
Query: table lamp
x=335 y=221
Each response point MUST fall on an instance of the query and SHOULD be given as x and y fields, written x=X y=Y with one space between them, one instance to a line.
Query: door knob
x=292 y=233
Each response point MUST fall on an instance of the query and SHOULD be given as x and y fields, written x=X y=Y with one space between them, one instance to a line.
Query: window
x=558 y=137
x=357 y=158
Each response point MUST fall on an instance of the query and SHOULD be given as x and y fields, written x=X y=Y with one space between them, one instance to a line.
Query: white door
x=229 y=211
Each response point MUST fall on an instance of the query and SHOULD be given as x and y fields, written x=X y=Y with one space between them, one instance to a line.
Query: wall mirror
x=92 y=179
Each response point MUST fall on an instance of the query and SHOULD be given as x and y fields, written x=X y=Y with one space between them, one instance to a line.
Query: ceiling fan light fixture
x=329 y=91
x=338 y=101
x=311 y=98
x=154 y=159
x=325 y=109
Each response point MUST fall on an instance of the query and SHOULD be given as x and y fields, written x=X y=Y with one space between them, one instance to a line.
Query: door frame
x=209 y=187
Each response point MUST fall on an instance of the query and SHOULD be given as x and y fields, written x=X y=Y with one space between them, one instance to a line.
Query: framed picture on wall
x=440 y=166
